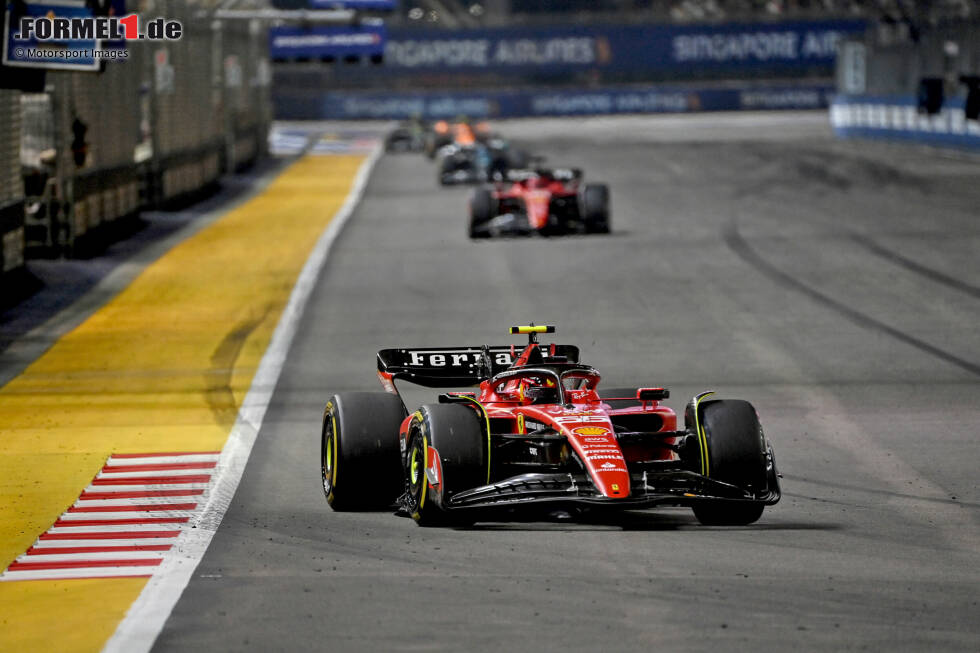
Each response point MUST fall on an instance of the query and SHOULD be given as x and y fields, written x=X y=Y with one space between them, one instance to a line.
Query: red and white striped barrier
x=125 y=522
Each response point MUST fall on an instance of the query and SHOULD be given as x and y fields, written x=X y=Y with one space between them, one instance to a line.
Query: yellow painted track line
x=162 y=367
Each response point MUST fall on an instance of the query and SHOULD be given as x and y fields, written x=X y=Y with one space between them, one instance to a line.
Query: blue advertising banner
x=650 y=47
x=509 y=104
x=30 y=52
x=326 y=41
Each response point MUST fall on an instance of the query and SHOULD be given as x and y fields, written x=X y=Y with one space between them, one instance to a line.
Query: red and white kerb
x=125 y=522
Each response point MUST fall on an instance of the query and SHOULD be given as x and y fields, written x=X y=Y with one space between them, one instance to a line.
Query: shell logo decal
x=591 y=430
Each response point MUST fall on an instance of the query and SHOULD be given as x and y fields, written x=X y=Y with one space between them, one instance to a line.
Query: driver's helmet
x=539 y=181
x=539 y=390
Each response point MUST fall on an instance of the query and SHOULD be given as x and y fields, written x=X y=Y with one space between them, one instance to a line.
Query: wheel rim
x=414 y=466
x=329 y=456
x=416 y=472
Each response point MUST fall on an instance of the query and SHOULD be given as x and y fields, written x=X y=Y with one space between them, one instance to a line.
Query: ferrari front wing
x=505 y=224
x=676 y=487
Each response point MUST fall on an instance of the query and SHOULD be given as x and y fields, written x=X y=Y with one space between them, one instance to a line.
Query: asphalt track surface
x=834 y=285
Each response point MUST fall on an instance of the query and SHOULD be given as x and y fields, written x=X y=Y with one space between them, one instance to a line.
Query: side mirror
x=652 y=394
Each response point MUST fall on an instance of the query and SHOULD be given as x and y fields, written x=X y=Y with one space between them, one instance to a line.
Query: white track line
x=153 y=473
x=90 y=556
x=120 y=528
x=133 y=501
x=141 y=514
x=92 y=494
x=144 y=487
x=165 y=459
x=68 y=574
x=148 y=614
x=143 y=541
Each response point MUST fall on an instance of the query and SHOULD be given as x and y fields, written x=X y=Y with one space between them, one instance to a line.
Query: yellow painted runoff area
x=162 y=367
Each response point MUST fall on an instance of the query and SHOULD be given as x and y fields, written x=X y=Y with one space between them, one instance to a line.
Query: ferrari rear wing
x=453 y=367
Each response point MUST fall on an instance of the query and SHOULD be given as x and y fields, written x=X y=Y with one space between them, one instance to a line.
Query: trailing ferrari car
x=543 y=201
x=538 y=432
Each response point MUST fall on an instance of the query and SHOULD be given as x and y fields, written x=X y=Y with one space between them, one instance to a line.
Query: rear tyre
x=595 y=208
x=736 y=448
x=482 y=209
x=360 y=459
x=456 y=433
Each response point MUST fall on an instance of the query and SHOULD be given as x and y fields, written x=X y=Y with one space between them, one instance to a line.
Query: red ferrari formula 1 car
x=544 y=201
x=539 y=432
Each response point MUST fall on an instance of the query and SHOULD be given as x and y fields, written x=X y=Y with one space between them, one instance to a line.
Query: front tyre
x=359 y=453
x=447 y=453
x=736 y=449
